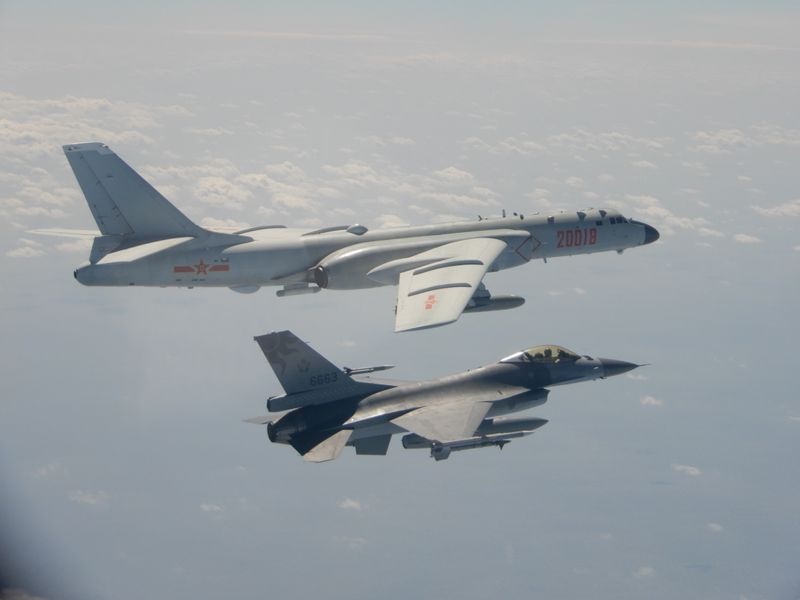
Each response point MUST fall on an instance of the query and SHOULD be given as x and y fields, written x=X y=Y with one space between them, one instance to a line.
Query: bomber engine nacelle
x=347 y=269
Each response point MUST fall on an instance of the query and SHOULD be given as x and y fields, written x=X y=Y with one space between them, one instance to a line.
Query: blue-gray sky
x=125 y=466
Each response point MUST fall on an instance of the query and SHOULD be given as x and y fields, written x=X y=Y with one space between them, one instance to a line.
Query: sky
x=125 y=463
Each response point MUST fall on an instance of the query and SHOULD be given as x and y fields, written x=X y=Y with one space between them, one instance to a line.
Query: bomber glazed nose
x=650 y=234
x=616 y=367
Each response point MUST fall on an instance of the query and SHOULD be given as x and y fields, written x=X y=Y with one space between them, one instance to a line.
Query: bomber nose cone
x=616 y=367
x=650 y=234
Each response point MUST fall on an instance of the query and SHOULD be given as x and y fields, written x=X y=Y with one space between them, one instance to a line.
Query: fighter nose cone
x=650 y=234
x=616 y=367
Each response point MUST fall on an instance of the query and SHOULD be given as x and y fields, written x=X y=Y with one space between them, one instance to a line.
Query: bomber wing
x=437 y=293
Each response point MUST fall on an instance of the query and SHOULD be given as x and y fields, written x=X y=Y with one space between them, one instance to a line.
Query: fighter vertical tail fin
x=298 y=367
x=121 y=201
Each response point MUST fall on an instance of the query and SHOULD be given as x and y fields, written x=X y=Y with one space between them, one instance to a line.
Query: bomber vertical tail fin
x=121 y=201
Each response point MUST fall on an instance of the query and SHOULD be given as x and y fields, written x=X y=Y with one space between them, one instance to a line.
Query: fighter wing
x=436 y=293
x=445 y=422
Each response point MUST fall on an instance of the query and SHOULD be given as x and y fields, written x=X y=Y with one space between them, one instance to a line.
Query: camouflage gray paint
x=371 y=411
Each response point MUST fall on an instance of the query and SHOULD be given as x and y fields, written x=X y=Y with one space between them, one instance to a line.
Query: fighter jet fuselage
x=456 y=412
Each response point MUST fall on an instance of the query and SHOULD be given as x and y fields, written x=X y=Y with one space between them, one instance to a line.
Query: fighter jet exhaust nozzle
x=282 y=430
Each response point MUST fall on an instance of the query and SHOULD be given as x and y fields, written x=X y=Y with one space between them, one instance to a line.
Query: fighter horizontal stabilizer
x=445 y=422
x=437 y=293
x=329 y=448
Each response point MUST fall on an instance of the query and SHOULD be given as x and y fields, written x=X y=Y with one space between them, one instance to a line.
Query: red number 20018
x=569 y=238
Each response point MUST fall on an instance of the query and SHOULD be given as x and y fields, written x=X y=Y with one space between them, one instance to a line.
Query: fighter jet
x=143 y=240
x=330 y=408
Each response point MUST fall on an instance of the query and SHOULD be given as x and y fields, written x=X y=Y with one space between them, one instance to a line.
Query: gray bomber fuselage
x=341 y=259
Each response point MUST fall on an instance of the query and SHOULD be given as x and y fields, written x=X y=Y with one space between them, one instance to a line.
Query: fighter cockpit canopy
x=546 y=353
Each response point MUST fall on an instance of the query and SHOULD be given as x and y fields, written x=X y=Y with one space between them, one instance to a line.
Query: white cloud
x=456 y=201
x=580 y=291
x=97 y=498
x=788 y=209
x=26 y=249
x=744 y=238
x=605 y=178
x=581 y=140
x=209 y=131
x=48 y=470
x=650 y=401
x=34 y=127
x=650 y=209
x=574 y=182
x=388 y=220
x=720 y=141
x=454 y=175
x=643 y=572
x=715 y=527
x=636 y=376
x=222 y=192
x=351 y=504
x=643 y=164
x=211 y=508
x=744 y=178
x=687 y=470
x=353 y=543
x=725 y=141
x=80 y=245
x=223 y=224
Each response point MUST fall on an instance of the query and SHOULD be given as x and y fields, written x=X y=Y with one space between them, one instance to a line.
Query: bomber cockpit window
x=543 y=354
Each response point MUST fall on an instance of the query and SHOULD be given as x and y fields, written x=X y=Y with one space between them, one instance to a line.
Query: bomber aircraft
x=331 y=408
x=143 y=240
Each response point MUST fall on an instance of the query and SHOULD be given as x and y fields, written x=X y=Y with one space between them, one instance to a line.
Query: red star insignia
x=201 y=268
